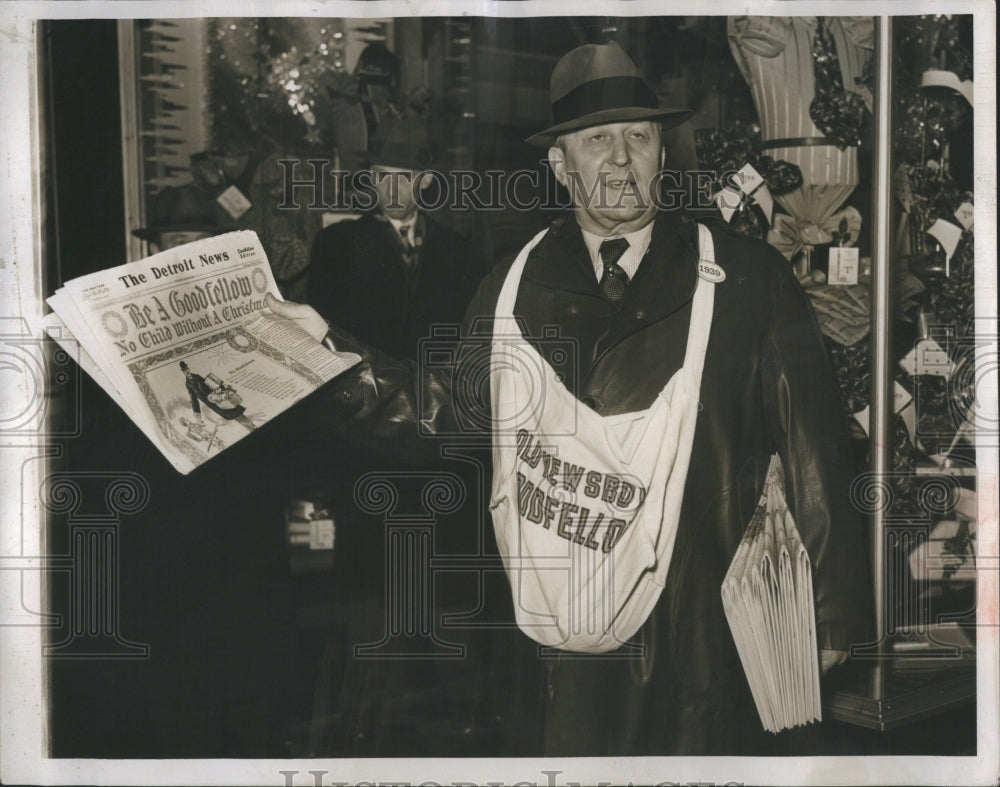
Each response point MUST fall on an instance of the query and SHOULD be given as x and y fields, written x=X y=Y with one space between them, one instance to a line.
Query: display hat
x=179 y=209
x=596 y=84
x=400 y=142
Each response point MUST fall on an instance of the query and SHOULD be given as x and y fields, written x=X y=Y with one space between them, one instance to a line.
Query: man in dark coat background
x=390 y=277
x=767 y=387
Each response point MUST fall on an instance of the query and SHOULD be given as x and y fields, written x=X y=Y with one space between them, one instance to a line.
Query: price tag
x=322 y=534
x=965 y=215
x=234 y=202
x=947 y=234
x=749 y=179
x=844 y=265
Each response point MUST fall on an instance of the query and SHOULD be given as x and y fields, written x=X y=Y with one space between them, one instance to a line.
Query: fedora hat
x=179 y=209
x=596 y=84
x=400 y=142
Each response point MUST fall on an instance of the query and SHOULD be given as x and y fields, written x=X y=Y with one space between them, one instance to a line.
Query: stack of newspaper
x=182 y=342
x=768 y=600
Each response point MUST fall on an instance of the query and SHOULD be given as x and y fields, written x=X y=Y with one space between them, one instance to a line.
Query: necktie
x=408 y=246
x=614 y=280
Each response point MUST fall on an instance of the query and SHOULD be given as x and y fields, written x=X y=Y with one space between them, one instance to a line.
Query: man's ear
x=557 y=160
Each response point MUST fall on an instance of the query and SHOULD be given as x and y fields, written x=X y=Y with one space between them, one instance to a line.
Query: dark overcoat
x=359 y=280
x=767 y=387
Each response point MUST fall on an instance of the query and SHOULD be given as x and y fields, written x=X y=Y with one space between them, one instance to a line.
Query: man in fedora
x=178 y=215
x=626 y=282
x=391 y=274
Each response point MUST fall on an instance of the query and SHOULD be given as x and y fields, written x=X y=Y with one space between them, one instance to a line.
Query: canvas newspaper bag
x=585 y=507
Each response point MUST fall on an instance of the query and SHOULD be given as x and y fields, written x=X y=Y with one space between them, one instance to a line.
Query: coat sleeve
x=406 y=407
x=807 y=426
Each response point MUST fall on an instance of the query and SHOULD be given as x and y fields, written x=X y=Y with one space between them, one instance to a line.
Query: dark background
x=240 y=639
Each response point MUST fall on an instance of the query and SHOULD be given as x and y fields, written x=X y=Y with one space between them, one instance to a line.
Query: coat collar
x=664 y=282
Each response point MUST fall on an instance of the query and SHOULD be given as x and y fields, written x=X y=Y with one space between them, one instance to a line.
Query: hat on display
x=179 y=209
x=596 y=84
x=400 y=142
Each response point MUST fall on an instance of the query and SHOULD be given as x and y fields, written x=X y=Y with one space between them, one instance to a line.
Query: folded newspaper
x=767 y=596
x=183 y=343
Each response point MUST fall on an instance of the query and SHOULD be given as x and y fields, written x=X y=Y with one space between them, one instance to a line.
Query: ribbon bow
x=790 y=235
x=744 y=177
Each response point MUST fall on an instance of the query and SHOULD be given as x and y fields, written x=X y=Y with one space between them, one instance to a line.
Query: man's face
x=395 y=190
x=610 y=173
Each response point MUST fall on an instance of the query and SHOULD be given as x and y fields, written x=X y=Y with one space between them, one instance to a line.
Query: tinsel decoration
x=844 y=116
x=928 y=193
x=953 y=297
x=934 y=41
x=851 y=368
x=924 y=120
x=268 y=82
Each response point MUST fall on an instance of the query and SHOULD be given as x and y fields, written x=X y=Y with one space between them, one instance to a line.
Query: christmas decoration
x=843 y=115
x=727 y=152
x=270 y=81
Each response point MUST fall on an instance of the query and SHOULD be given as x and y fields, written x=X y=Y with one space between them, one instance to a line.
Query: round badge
x=711 y=272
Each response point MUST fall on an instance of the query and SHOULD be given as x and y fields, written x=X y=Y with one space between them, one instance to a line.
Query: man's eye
x=598 y=137
x=640 y=135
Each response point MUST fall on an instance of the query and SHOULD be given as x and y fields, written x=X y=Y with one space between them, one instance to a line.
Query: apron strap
x=508 y=293
x=701 y=316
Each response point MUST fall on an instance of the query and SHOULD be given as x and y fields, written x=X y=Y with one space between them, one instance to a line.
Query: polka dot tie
x=615 y=280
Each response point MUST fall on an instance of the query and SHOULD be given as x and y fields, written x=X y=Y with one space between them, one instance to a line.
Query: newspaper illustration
x=183 y=342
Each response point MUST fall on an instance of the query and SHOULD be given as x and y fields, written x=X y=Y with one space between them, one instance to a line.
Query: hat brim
x=151 y=233
x=367 y=161
x=669 y=118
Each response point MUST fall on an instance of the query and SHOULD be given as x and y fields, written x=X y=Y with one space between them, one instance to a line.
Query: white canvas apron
x=586 y=507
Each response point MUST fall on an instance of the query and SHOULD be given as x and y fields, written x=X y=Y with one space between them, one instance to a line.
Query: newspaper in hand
x=182 y=342
x=767 y=596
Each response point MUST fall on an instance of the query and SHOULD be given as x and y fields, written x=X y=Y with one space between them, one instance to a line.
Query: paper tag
x=844 y=265
x=947 y=234
x=234 y=202
x=749 y=179
x=900 y=399
x=927 y=357
x=321 y=534
x=965 y=215
x=711 y=272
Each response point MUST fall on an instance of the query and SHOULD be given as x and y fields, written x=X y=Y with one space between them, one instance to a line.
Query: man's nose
x=619 y=151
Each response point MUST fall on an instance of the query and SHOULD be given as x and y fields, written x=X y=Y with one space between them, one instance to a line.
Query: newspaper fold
x=183 y=343
x=767 y=596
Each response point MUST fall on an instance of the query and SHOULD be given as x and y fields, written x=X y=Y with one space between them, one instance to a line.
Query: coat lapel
x=664 y=282
x=666 y=279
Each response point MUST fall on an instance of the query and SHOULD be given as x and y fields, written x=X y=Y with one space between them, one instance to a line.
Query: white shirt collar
x=638 y=244
x=404 y=227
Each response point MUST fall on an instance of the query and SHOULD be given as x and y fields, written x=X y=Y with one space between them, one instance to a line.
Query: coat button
x=640 y=314
x=347 y=395
x=571 y=309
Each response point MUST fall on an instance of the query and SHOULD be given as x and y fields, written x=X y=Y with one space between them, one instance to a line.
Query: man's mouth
x=619 y=183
